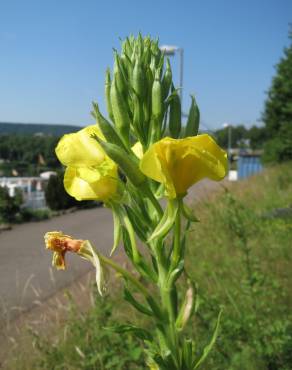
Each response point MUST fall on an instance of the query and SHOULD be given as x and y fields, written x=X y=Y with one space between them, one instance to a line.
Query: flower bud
x=120 y=112
x=107 y=94
x=192 y=127
x=175 y=115
x=127 y=163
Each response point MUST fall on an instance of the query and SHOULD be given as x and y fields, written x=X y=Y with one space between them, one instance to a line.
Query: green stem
x=136 y=255
x=124 y=273
x=176 y=253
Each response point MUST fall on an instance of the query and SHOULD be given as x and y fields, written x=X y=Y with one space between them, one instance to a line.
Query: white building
x=32 y=189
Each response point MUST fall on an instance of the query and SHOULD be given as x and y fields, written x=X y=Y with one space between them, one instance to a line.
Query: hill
x=34 y=128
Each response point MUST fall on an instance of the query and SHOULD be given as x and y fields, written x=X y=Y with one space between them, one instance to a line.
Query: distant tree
x=9 y=206
x=278 y=111
x=257 y=137
x=239 y=133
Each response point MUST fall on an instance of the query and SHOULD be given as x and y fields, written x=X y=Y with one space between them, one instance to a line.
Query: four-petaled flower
x=90 y=173
x=179 y=163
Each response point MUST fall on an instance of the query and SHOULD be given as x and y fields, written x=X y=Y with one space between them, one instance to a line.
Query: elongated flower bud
x=192 y=127
x=167 y=80
x=107 y=129
x=175 y=115
x=138 y=80
x=107 y=89
x=120 y=112
x=120 y=75
x=156 y=97
x=126 y=162
x=138 y=118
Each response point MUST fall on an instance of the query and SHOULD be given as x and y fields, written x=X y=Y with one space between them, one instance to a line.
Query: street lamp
x=229 y=127
x=171 y=50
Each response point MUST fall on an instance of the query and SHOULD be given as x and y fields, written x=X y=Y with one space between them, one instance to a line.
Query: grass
x=239 y=255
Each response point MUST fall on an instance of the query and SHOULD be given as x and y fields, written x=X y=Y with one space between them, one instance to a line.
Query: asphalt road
x=26 y=275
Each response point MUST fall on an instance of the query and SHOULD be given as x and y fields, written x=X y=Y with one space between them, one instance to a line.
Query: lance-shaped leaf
x=209 y=346
x=117 y=229
x=138 y=224
x=140 y=307
x=188 y=213
x=187 y=353
x=166 y=221
x=138 y=332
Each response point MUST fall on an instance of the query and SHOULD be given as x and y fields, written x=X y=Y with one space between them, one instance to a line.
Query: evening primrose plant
x=131 y=160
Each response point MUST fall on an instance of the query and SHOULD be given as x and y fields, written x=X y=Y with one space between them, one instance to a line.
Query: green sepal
x=192 y=126
x=166 y=221
x=210 y=345
x=127 y=328
x=139 y=307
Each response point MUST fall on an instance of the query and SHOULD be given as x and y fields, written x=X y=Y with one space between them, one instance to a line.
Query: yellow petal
x=179 y=163
x=78 y=183
x=59 y=260
x=138 y=149
x=80 y=149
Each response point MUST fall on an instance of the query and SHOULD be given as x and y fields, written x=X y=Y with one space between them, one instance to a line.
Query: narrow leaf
x=208 y=348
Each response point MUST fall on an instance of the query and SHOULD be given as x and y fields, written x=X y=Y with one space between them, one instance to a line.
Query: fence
x=248 y=165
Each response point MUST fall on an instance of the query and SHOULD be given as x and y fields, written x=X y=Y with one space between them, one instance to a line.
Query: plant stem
x=124 y=273
x=176 y=253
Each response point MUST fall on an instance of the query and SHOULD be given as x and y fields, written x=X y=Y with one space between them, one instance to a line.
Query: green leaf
x=129 y=298
x=117 y=230
x=166 y=221
x=188 y=213
x=127 y=328
x=209 y=346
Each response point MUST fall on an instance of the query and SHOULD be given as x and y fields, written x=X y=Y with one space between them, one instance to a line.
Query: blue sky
x=53 y=54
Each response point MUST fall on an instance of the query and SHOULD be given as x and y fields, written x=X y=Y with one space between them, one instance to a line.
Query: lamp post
x=171 y=50
x=229 y=127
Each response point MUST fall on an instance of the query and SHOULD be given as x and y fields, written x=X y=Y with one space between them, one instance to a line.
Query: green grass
x=240 y=259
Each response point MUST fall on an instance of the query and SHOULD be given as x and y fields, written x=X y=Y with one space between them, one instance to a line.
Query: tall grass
x=241 y=258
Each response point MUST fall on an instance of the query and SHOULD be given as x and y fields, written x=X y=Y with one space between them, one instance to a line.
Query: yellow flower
x=90 y=174
x=179 y=163
x=79 y=149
